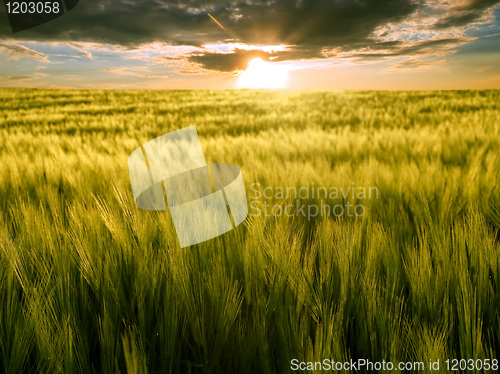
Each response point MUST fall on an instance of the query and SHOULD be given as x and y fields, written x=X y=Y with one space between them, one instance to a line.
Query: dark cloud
x=466 y=13
x=402 y=49
x=228 y=61
x=122 y=22
x=312 y=22
x=308 y=27
x=240 y=58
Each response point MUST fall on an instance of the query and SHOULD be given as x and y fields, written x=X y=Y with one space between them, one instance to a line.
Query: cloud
x=188 y=72
x=462 y=13
x=417 y=64
x=260 y=21
x=19 y=52
x=20 y=77
x=308 y=29
x=438 y=47
x=135 y=72
x=87 y=54
x=227 y=62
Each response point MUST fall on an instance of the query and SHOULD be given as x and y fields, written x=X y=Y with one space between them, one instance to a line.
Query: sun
x=262 y=74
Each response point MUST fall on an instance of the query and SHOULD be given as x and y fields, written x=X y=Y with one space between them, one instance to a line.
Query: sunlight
x=262 y=74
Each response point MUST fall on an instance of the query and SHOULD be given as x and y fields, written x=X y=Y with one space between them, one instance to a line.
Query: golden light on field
x=262 y=74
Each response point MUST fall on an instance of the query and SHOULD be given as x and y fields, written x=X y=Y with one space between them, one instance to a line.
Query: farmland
x=90 y=283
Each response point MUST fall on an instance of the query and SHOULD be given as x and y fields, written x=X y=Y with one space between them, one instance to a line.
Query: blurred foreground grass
x=89 y=283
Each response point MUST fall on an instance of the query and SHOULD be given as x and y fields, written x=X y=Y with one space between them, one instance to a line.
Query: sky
x=295 y=44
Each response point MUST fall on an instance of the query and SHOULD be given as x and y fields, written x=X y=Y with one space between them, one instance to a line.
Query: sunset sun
x=262 y=74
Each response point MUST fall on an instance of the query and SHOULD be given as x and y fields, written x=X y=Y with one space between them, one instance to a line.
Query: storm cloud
x=310 y=28
x=317 y=22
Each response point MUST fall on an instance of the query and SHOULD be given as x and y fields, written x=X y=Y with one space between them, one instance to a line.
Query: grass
x=91 y=284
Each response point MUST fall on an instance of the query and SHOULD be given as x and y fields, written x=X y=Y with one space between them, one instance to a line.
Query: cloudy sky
x=332 y=44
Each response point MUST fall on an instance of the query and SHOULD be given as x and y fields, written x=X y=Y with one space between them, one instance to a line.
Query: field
x=89 y=283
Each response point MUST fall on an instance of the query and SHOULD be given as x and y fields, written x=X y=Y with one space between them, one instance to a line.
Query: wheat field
x=89 y=283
